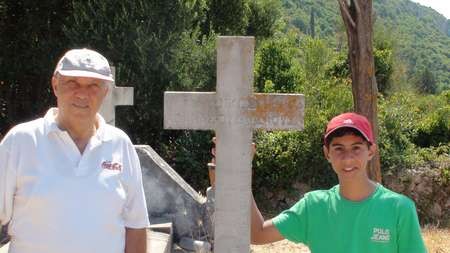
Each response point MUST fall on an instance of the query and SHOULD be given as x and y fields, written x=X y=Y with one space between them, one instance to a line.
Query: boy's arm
x=262 y=232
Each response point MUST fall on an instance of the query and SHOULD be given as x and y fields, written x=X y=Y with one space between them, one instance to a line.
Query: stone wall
x=427 y=186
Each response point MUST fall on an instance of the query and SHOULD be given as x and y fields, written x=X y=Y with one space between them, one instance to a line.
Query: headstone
x=4 y=248
x=233 y=111
x=195 y=245
x=171 y=199
x=115 y=96
x=159 y=242
x=162 y=227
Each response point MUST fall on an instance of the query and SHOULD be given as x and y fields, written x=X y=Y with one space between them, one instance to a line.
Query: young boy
x=355 y=216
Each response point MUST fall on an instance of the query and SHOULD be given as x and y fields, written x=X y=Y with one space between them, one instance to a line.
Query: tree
x=312 y=24
x=315 y=57
x=426 y=81
x=357 y=17
x=263 y=18
x=276 y=67
x=228 y=17
x=142 y=39
x=383 y=69
x=31 y=41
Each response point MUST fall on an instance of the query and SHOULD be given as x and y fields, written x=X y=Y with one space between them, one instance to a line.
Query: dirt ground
x=436 y=241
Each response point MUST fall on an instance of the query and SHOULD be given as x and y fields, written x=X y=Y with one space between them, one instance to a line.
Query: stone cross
x=116 y=96
x=233 y=111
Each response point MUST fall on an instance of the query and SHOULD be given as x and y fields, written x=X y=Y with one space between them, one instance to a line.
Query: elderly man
x=68 y=181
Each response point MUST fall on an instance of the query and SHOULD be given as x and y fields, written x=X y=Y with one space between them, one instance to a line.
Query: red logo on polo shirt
x=108 y=165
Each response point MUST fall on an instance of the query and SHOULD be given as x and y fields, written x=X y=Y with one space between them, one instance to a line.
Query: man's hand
x=135 y=240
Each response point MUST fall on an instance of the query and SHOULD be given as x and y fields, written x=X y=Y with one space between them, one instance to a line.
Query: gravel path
x=280 y=247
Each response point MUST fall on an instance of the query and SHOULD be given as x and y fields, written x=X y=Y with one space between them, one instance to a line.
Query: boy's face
x=349 y=156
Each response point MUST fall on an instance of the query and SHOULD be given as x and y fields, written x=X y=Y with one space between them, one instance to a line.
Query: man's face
x=349 y=156
x=79 y=97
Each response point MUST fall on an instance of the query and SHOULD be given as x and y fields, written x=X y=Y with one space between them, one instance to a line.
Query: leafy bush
x=263 y=18
x=284 y=158
x=188 y=154
x=434 y=130
x=276 y=65
x=408 y=120
x=383 y=58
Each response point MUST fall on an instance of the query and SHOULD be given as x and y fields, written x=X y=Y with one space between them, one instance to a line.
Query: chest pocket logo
x=108 y=165
x=382 y=235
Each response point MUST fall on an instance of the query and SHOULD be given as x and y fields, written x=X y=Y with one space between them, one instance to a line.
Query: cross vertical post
x=115 y=96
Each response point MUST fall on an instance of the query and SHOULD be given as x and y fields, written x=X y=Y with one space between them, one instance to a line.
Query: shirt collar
x=51 y=126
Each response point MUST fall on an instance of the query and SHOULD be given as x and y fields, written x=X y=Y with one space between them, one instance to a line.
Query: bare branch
x=346 y=15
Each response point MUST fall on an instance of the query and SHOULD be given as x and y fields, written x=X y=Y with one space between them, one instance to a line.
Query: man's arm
x=135 y=240
x=262 y=232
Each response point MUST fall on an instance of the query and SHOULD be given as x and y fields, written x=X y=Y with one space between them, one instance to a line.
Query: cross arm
x=189 y=110
x=277 y=111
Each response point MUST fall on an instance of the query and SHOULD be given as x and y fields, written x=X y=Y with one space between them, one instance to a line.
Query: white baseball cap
x=84 y=63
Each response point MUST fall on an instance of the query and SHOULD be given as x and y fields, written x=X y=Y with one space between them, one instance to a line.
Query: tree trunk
x=357 y=16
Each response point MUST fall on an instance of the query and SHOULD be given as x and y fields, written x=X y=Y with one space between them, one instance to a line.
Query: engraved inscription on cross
x=233 y=111
x=116 y=96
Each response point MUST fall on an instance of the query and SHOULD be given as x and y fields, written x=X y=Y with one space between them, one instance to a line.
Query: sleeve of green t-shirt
x=292 y=223
x=409 y=235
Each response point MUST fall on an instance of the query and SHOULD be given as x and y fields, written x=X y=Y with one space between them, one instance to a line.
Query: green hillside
x=420 y=35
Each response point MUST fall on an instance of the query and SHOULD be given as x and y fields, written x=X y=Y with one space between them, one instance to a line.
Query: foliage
x=434 y=129
x=286 y=157
x=425 y=81
x=170 y=45
x=143 y=40
x=259 y=18
x=314 y=59
x=31 y=40
x=189 y=153
x=384 y=68
x=421 y=34
x=276 y=67
x=406 y=125
x=263 y=18
x=228 y=17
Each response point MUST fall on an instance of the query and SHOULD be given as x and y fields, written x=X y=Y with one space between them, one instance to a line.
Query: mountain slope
x=421 y=35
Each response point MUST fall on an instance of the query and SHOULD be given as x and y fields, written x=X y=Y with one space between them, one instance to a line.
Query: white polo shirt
x=58 y=200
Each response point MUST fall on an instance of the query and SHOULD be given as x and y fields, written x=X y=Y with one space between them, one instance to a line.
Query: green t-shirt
x=385 y=222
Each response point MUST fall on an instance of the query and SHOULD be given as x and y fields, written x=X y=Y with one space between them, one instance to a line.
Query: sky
x=441 y=6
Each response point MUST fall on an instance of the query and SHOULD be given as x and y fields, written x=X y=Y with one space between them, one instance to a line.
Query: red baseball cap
x=352 y=120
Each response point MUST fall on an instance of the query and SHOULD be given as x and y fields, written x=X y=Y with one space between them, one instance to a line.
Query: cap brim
x=82 y=73
x=349 y=126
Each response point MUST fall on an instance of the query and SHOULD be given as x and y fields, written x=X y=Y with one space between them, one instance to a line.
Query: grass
x=436 y=241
